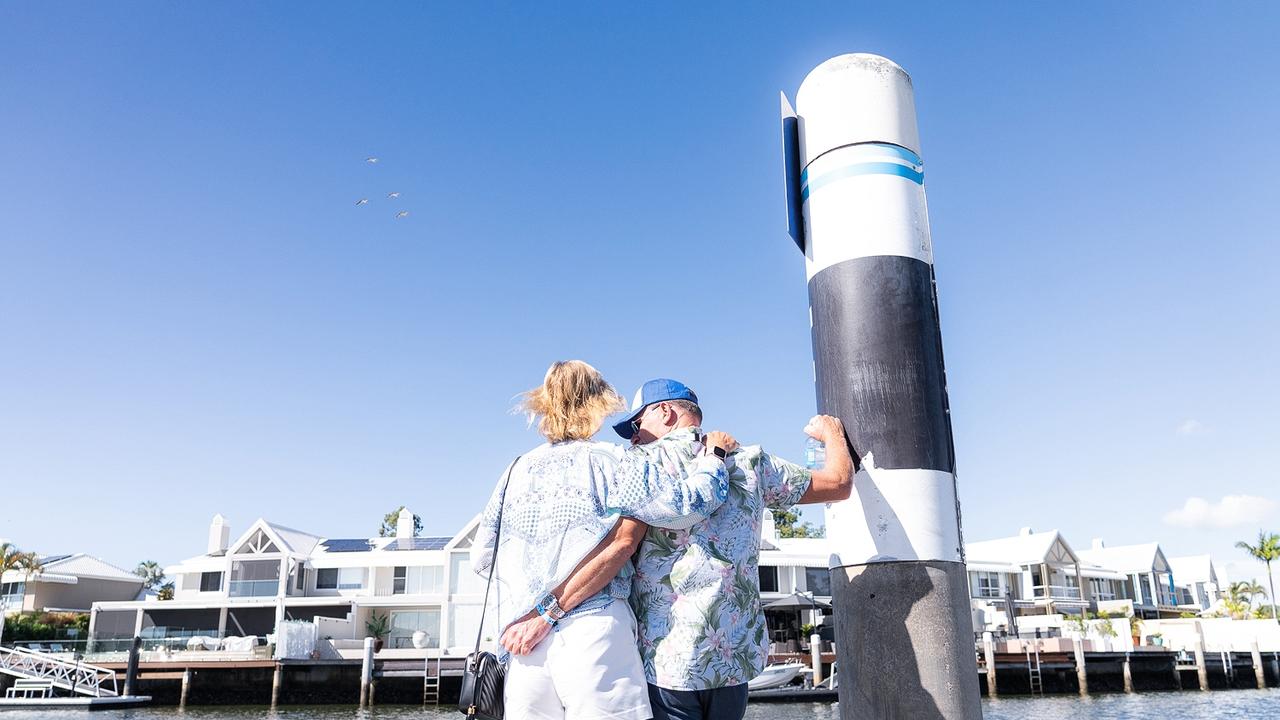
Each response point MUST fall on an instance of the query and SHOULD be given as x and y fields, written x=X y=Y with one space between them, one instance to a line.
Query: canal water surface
x=1251 y=704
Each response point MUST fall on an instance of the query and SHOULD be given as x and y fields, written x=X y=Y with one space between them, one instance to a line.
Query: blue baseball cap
x=654 y=391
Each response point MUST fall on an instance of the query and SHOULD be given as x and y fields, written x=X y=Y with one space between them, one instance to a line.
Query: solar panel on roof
x=426 y=543
x=341 y=545
x=52 y=559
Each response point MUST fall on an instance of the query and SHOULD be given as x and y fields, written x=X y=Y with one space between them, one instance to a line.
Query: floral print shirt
x=696 y=592
x=563 y=499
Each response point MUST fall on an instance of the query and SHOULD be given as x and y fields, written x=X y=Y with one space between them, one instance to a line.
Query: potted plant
x=1157 y=639
x=377 y=626
x=1135 y=629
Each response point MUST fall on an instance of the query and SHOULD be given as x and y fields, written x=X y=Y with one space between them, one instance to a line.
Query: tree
x=788 y=525
x=1267 y=549
x=25 y=564
x=151 y=573
x=391 y=521
x=165 y=592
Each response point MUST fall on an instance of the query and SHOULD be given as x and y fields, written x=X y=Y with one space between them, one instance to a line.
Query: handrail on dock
x=76 y=676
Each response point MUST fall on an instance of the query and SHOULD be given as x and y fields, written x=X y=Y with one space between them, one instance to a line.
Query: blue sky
x=195 y=317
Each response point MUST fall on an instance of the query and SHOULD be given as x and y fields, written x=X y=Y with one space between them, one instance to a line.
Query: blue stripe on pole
x=865 y=168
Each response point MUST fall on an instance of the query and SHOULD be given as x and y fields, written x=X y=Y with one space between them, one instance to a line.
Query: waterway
x=1251 y=704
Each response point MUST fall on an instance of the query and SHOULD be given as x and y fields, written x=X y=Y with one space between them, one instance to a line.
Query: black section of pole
x=878 y=360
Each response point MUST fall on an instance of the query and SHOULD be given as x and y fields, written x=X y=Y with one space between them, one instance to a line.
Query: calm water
x=1251 y=704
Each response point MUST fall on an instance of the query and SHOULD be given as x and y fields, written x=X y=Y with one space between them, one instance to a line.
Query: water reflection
x=1251 y=704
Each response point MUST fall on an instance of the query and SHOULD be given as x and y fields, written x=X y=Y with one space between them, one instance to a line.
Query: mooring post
x=856 y=208
x=989 y=657
x=1259 y=672
x=366 y=675
x=815 y=657
x=1082 y=675
x=277 y=680
x=1128 y=674
x=131 y=669
x=1202 y=670
x=186 y=687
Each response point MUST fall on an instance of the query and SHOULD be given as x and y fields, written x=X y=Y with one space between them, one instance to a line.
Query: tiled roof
x=1125 y=558
x=82 y=565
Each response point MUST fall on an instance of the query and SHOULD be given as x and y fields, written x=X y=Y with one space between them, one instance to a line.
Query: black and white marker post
x=856 y=206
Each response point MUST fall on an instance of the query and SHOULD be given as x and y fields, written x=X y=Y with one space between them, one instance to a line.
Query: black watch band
x=720 y=452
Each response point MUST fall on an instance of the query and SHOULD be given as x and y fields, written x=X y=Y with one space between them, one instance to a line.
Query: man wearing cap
x=696 y=592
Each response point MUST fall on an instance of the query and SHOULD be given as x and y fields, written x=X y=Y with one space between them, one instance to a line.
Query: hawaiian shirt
x=562 y=500
x=696 y=592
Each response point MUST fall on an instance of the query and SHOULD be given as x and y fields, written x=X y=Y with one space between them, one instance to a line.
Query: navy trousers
x=726 y=703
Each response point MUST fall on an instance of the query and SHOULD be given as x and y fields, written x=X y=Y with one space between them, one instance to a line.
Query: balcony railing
x=1056 y=592
x=254 y=588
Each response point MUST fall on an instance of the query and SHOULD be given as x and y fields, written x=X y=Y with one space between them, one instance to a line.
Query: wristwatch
x=550 y=608
x=720 y=452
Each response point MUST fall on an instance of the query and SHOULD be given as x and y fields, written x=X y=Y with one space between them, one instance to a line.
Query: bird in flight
x=371 y=160
x=362 y=201
x=402 y=213
x=393 y=195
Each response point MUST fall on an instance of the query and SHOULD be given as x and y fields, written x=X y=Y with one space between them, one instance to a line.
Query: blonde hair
x=572 y=402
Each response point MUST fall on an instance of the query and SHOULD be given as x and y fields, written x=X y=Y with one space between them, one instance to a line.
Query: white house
x=271 y=573
x=70 y=583
x=1197 y=581
x=1149 y=577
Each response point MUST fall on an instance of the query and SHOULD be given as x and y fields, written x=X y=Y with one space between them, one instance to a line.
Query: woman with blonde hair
x=558 y=504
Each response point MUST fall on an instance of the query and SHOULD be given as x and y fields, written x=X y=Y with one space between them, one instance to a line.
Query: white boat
x=776 y=676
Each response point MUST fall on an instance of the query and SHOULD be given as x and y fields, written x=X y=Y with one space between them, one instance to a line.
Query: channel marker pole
x=856 y=208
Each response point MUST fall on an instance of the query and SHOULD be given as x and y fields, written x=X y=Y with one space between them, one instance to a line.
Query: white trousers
x=587 y=669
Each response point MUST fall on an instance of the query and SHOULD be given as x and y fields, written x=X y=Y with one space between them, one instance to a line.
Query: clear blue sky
x=195 y=317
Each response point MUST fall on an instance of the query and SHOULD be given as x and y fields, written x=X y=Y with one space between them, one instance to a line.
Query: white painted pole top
x=856 y=98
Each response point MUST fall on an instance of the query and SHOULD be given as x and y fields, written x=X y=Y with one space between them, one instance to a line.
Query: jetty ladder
x=431 y=682
x=77 y=677
x=1033 y=669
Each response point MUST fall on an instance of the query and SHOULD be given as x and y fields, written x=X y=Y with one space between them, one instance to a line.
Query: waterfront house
x=1197 y=582
x=1148 y=583
x=787 y=567
x=271 y=573
x=1034 y=573
x=66 y=583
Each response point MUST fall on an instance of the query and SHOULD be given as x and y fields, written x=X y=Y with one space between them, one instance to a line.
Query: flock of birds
x=390 y=196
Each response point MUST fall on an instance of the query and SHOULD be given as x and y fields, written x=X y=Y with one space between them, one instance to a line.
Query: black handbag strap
x=493 y=567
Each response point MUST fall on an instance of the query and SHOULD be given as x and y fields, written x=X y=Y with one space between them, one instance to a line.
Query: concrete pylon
x=856 y=208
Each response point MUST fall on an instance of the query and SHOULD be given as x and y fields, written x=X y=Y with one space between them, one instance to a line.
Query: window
x=768 y=578
x=1101 y=589
x=254 y=578
x=404 y=624
x=461 y=578
x=339 y=578
x=818 y=580
x=210 y=581
x=985 y=584
x=327 y=579
x=398 y=581
x=418 y=580
x=11 y=594
x=301 y=584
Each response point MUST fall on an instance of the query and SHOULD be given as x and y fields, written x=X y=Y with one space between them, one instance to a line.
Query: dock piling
x=989 y=657
x=186 y=688
x=277 y=679
x=1128 y=674
x=1202 y=670
x=131 y=670
x=366 y=675
x=815 y=655
x=1259 y=672
x=1082 y=676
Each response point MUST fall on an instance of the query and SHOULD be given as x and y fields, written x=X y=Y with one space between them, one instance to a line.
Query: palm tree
x=151 y=573
x=1244 y=592
x=1267 y=549
x=13 y=559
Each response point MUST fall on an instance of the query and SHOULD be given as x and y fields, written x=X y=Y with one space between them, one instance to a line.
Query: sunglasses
x=635 y=424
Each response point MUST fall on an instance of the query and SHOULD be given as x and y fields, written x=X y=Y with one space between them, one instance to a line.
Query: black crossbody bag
x=483 y=677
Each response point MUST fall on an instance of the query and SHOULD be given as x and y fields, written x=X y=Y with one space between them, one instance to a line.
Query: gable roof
x=1029 y=549
x=1193 y=569
x=286 y=539
x=60 y=568
x=1140 y=558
